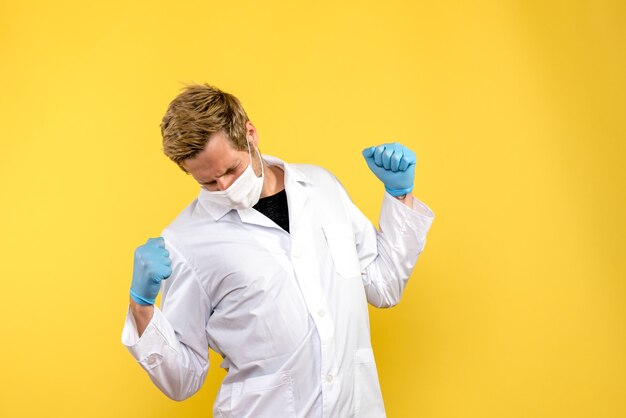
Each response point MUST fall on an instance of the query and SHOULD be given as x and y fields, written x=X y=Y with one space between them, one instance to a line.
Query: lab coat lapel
x=297 y=196
x=254 y=217
x=250 y=216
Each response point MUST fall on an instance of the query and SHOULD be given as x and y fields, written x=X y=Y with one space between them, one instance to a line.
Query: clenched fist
x=152 y=264
x=394 y=165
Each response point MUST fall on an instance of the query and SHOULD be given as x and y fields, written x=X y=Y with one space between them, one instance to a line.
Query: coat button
x=321 y=313
x=329 y=378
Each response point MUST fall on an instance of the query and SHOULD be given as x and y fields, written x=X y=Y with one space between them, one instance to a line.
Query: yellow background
x=516 y=111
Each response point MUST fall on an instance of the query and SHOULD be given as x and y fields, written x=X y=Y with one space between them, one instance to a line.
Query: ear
x=252 y=134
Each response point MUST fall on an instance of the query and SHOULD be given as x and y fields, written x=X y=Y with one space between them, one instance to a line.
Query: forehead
x=217 y=157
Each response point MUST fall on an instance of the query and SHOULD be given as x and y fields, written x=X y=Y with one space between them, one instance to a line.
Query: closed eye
x=230 y=170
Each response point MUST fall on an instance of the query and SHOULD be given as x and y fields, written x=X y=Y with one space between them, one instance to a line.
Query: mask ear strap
x=260 y=159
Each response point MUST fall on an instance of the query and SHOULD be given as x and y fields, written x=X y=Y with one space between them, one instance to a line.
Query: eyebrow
x=225 y=172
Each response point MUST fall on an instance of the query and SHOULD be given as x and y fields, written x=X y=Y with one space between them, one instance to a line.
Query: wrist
x=406 y=200
x=140 y=310
x=140 y=300
x=400 y=192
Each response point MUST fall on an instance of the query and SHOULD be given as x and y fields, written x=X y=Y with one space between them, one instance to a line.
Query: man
x=272 y=266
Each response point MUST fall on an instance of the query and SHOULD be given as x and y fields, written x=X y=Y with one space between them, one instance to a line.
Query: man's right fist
x=152 y=264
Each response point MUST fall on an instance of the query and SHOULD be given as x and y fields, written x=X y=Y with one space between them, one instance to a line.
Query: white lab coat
x=286 y=311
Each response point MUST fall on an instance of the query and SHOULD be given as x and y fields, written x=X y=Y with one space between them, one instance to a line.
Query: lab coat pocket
x=368 y=398
x=340 y=240
x=267 y=396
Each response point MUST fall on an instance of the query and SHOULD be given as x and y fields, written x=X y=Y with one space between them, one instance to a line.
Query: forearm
x=397 y=244
x=176 y=363
x=142 y=314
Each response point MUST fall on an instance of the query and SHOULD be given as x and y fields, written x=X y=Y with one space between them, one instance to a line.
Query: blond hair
x=197 y=113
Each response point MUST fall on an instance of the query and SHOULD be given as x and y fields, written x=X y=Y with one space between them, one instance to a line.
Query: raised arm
x=388 y=255
x=170 y=343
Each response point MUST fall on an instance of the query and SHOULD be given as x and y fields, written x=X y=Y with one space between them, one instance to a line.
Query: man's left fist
x=394 y=165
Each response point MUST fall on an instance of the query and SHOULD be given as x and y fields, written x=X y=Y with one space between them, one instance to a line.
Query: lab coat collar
x=293 y=175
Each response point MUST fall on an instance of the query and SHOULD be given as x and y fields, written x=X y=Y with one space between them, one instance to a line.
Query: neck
x=274 y=180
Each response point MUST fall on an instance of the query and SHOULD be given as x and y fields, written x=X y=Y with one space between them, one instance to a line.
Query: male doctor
x=271 y=266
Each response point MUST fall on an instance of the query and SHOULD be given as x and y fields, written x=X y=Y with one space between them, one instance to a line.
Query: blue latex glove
x=394 y=165
x=152 y=264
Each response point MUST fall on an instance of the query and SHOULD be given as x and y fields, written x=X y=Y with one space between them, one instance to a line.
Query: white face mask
x=245 y=190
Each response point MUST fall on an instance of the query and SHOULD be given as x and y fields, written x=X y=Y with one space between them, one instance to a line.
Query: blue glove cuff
x=399 y=192
x=140 y=299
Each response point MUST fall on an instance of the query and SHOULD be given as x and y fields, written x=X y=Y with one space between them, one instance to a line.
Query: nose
x=223 y=183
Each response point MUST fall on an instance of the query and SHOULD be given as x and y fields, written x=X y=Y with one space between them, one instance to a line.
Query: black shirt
x=275 y=208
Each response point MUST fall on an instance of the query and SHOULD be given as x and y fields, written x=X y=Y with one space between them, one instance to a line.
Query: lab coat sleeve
x=388 y=255
x=173 y=349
